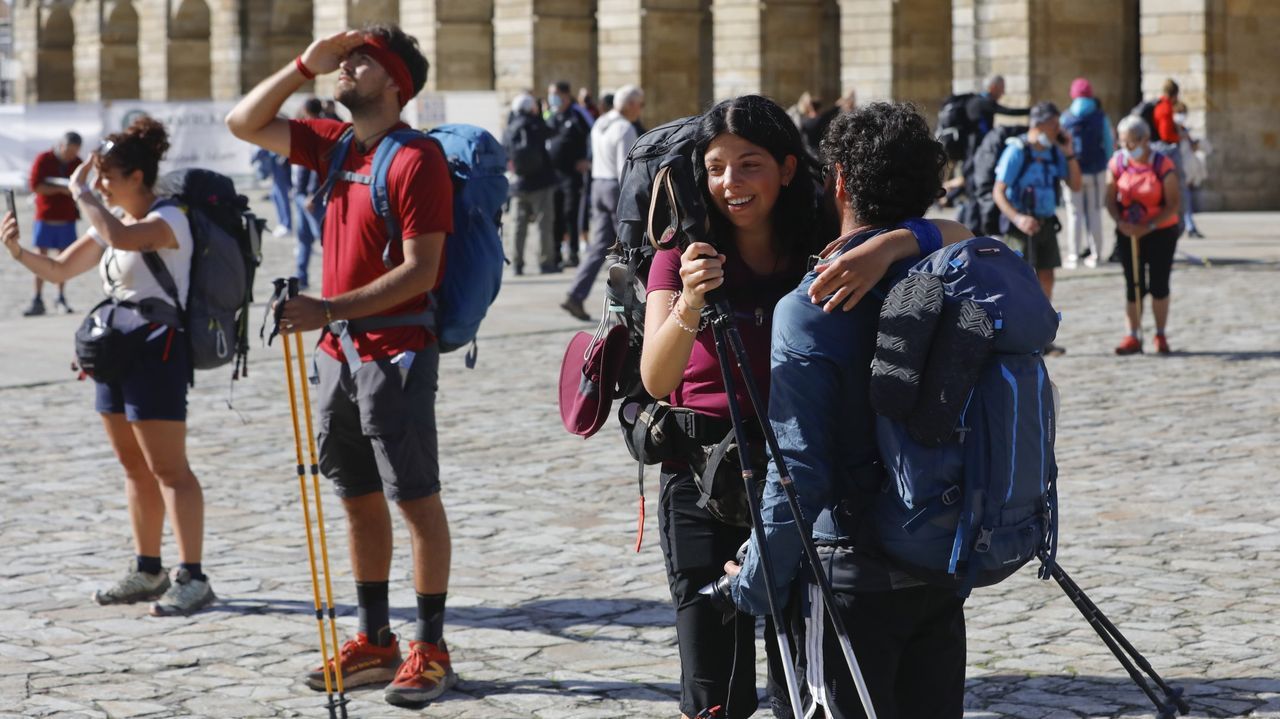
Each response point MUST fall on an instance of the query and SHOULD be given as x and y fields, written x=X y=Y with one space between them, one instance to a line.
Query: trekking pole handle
x=293 y=287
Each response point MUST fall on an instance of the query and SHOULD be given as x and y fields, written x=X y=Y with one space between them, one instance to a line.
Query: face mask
x=1043 y=141
x=555 y=102
x=1137 y=155
x=1180 y=118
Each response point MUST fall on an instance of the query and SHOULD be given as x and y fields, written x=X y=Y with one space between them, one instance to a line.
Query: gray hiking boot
x=185 y=596
x=135 y=586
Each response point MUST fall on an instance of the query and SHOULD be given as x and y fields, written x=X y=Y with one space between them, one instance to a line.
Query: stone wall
x=688 y=53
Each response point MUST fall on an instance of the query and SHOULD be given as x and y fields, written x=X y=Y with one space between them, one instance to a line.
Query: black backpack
x=983 y=217
x=954 y=125
x=227 y=252
x=1147 y=111
x=528 y=155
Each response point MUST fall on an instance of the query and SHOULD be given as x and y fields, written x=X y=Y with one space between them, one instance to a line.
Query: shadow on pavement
x=1117 y=695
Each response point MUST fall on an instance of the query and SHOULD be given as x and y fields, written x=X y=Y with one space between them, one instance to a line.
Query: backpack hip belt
x=343 y=329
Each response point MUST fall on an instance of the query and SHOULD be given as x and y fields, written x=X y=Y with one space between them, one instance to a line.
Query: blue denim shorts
x=54 y=235
x=157 y=386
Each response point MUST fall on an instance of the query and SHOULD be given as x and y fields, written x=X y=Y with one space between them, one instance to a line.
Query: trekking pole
x=1121 y=647
x=337 y=707
x=723 y=329
x=782 y=630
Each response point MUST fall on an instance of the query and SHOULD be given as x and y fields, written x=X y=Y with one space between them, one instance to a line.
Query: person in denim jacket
x=909 y=636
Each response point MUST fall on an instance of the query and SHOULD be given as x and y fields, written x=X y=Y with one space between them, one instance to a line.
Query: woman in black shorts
x=145 y=412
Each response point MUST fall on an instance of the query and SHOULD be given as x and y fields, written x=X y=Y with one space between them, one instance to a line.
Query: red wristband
x=297 y=62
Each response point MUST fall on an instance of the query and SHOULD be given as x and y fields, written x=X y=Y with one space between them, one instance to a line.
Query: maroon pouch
x=588 y=374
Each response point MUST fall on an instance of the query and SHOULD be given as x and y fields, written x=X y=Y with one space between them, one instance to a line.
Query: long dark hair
x=795 y=216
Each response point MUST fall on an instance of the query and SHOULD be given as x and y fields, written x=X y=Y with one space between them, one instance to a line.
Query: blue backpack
x=967 y=441
x=473 y=251
x=1086 y=134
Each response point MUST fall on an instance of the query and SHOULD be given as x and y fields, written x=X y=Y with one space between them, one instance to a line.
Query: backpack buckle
x=951 y=496
x=983 y=543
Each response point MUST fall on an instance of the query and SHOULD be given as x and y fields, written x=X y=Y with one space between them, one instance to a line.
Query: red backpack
x=1140 y=188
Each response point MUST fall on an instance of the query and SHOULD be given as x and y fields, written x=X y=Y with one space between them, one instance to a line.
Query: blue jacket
x=820 y=411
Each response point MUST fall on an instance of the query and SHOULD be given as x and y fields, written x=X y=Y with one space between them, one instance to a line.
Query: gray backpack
x=227 y=251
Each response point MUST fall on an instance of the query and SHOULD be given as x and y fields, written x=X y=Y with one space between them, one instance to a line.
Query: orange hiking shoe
x=362 y=663
x=1162 y=345
x=1130 y=345
x=424 y=676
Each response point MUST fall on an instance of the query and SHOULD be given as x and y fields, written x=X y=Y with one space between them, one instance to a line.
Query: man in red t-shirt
x=377 y=391
x=55 y=225
x=1166 y=130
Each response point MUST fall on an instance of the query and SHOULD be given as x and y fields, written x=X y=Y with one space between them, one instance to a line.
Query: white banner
x=198 y=135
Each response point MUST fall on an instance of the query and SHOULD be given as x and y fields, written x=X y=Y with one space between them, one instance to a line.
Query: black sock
x=193 y=569
x=150 y=565
x=430 y=618
x=374 y=612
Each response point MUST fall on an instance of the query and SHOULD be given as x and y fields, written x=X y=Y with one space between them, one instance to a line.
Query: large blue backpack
x=967 y=439
x=1086 y=133
x=473 y=251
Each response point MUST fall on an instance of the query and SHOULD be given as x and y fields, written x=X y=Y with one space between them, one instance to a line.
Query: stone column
x=774 y=48
x=258 y=21
x=1223 y=56
x=119 y=63
x=537 y=42
x=88 y=50
x=901 y=50
x=660 y=45
x=26 y=41
x=993 y=37
x=457 y=38
x=224 y=53
x=190 y=71
x=153 y=64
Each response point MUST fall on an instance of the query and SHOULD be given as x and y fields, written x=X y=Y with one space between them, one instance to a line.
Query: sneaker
x=1070 y=262
x=1091 y=262
x=575 y=308
x=185 y=595
x=134 y=586
x=1193 y=232
x=36 y=309
x=424 y=676
x=1052 y=350
x=572 y=261
x=1162 y=345
x=362 y=663
x=280 y=231
x=62 y=305
x=1130 y=345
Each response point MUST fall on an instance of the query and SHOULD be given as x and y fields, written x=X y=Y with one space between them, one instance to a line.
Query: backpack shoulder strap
x=337 y=156
x=157 y=266
x=379 y=193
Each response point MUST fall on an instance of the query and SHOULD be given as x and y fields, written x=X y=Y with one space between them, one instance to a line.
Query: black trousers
x=717 y=658
x=910 y=645
x=1155 y=258
x=568 y=207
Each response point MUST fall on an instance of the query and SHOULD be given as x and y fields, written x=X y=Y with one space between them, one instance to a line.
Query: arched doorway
x=55 y=60
x=190 y=71
x=119 y=66
x=292 y=22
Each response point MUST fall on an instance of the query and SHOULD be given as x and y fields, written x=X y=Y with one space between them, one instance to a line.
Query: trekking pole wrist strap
x=302 y=68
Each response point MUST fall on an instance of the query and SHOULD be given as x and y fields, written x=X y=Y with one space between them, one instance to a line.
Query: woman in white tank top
x=144 y=413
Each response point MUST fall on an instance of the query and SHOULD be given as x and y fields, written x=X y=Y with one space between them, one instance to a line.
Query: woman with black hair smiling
x=764 y=203
x=145 y=411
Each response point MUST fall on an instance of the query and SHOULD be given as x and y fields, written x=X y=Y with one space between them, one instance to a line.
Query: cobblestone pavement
x=1169 y=521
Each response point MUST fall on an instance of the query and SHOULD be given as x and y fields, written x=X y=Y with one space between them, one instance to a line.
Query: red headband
x=377 y=48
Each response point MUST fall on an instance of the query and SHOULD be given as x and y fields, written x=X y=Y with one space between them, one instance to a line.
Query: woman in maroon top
x=764 y=207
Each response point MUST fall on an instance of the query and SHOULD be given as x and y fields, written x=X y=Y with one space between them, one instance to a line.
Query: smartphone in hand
x=8 y=198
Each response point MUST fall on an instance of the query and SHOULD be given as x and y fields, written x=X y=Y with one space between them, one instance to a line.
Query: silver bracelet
x=675 y=314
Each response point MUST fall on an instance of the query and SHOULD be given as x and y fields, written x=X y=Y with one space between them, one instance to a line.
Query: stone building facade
x=687 y=53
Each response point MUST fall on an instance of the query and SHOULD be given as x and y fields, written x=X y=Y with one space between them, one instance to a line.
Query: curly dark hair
x=406 y=46
x=140 y=146
x=762 y=122
x=891 y=164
